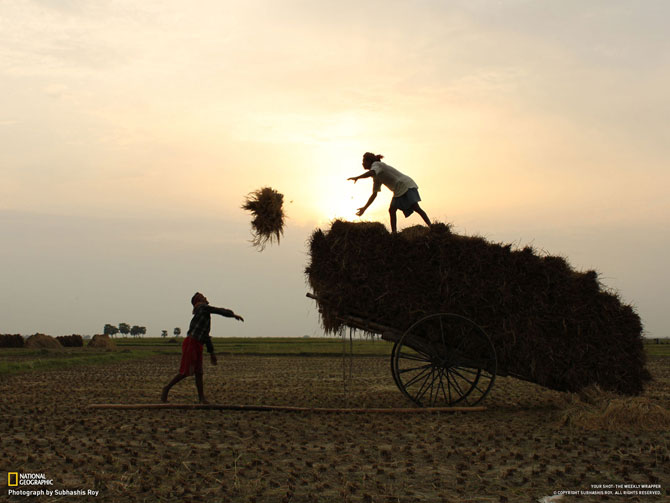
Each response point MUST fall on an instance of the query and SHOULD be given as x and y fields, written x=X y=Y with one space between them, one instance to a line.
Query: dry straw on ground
x=266 y=207
x=549 y=324
x=593 y=409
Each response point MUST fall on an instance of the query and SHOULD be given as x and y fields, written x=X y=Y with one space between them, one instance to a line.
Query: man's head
x=369 y=158
x=198 y=298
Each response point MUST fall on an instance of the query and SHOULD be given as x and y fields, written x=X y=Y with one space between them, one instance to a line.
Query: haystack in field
x=71 y=341
x=102 y=341
x=266 y=207
x=549 y=324
x=11 y=341
x=41 y=341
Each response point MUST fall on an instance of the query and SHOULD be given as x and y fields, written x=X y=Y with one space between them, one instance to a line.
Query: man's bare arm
x=367 y=174
x=362 y=210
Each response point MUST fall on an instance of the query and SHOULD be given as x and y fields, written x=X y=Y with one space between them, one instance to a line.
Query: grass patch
x=14 y=360
x=281 y=346
x=25 y=360
x=662 y=348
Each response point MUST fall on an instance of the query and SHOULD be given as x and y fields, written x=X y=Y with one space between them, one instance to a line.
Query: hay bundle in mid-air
x=266 y=206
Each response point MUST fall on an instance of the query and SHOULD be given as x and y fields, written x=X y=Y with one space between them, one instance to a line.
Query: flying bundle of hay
x=266 y=206
x=548 y=323
x=41 y=341
x=71 y=341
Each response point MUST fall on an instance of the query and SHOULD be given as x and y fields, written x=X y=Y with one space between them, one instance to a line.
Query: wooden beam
x=280 y=408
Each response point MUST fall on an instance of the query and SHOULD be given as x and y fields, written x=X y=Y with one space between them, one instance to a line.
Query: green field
x=662 y=348
x=13 y=360
x=282 y=346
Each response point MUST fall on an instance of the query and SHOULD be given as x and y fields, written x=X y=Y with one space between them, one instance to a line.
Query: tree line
x=124 y=329
x=135 y=330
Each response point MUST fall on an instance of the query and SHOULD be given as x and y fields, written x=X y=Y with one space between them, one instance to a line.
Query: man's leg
x=169 y=385
x=394 y=219
x=199 y=384
x=422 y=213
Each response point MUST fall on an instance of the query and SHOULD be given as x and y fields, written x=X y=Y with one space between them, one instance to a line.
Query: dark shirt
x=201 y=323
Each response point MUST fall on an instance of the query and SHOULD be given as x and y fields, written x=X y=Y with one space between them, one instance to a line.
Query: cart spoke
x=444 y=358
x=410 y=369
x=471 y=383
x=457 y=389
x=417 y=377
x=415 y=357
x=425 y=388
x=442 y=379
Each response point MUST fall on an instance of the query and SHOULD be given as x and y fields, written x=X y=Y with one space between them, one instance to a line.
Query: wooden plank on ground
x=280 y=408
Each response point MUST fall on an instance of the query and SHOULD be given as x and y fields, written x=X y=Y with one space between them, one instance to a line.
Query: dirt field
x=518 y=450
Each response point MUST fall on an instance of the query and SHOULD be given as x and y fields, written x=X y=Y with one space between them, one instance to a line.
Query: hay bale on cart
x=549 y=324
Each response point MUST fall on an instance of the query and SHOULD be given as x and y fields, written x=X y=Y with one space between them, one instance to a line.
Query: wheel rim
x=444 y=359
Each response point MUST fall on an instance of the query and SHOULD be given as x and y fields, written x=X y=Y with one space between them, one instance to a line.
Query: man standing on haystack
x=405 y=190
x=191 y=348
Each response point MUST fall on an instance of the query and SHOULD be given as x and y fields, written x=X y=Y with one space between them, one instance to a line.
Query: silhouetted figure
x=191 y=348
x=405 y=191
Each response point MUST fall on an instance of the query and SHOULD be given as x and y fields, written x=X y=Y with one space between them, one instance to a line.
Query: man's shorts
x=191 y=357
x=406 y=201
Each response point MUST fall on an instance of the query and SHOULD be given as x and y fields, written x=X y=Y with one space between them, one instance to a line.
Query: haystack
x=266 y=206
x=41 y=341
x=71 y=341
x=549 y=324
x=11 y=341
x=102 y=341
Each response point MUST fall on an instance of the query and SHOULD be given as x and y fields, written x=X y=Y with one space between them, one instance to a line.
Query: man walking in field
x=191 y=348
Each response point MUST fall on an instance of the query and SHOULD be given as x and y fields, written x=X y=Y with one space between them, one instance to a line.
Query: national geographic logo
x=15 y=479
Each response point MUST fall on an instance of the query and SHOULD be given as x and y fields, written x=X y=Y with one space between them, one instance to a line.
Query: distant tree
x=110 y=330
x=135 y=330
x=164 y=333
x=143 y=330
x=177 y=332
x=124 y=328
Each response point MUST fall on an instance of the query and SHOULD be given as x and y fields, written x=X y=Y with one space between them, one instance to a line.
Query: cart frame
x=443 y=359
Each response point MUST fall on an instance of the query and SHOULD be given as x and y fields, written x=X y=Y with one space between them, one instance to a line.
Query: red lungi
x=191 y=357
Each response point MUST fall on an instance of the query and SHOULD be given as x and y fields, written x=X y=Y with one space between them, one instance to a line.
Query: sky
x=130 y=133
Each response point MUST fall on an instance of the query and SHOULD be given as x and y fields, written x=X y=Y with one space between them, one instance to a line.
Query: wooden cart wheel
x=444 y=359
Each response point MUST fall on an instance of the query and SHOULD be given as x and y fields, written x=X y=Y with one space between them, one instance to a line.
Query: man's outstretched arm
x=367 y=174
x=228 y=313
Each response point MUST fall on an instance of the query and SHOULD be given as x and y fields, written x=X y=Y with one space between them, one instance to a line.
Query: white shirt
x=393 y=179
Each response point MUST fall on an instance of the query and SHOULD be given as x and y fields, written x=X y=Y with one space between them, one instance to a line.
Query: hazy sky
x=130 y=133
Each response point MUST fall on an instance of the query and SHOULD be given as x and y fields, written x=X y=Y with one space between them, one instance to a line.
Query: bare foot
x=164 y=394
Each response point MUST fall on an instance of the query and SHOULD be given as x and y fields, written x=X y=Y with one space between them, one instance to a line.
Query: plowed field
x=520 y=449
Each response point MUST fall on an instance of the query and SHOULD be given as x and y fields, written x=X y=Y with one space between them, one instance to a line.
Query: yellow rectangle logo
x=13 y=479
